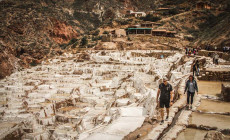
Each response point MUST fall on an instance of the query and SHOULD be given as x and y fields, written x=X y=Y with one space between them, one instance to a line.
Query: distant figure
x=216 y=57
x=190 y=87
x=213 y=58
x=224 y=49
x=208 y=47
x=228 y=49
x=186 y=50
x=194 y=52
x=189 y=52
x=166 y=100
x=162 y=56
x=195 y=68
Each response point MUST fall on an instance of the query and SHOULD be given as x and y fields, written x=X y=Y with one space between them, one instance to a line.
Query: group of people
x=165 y=92
x=225 y=49
x=190 y=51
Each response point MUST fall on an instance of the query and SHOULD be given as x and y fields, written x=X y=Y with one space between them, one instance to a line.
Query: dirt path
x=208 y=113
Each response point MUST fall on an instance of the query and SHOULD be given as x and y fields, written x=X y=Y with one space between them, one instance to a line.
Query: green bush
x=105 y=32
x=96 y=32
x=96 y=38
x=123 y=21
x=150 y=17
x=63 y=46
x=84 y=41
x=33 y=63
x=72 y=41
x=173 y=11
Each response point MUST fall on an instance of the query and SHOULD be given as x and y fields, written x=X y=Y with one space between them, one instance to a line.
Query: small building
x=131 y=13
x=144 y=31
x=159 y=32
x=138 y=14
x=171 y=33
x=203 y=5
x=150 y=24
x=164 y=33
x=134 y=26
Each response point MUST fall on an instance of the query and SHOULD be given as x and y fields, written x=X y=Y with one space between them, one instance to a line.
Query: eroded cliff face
x=61 y=32
x=8 y=61
x=31 y=31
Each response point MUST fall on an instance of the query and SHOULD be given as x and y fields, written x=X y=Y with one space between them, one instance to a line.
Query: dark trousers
x=193 y=72
x=188 y=96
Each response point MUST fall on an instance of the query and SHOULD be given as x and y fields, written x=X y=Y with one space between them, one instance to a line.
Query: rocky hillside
x=203 y=27
x=29 y=32
x=33 y=30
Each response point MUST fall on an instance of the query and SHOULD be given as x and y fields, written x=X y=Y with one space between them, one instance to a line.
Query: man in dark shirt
x=165 y=92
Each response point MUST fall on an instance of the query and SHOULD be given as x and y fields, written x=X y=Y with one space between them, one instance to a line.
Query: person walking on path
x=194 y=52
x=189 y=52
x=195 y=68
x=216 y=59
x=166 y=98
x=186 y=52
x=213 y=58
x=190 y=87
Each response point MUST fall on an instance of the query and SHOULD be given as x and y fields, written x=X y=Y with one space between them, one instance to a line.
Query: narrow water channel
x=210 y=113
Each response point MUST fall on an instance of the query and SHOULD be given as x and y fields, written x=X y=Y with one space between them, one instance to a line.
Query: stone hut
x=203 y=5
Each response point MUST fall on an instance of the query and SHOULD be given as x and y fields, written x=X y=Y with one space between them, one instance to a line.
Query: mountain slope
x=32 y=30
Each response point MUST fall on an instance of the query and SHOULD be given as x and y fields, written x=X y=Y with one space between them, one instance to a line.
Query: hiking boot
x=162 y=122
x=187 y=107
x=167 y=118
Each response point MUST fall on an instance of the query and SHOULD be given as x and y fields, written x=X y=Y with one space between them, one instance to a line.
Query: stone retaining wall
x=225 y=92
x=214 y=75
x=222 y=55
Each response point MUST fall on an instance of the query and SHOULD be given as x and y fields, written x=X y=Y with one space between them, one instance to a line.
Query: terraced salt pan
x=55 y=93
x=209 y=87
x=211 y=120
x=210 y=106
x=192 y=134
x=130 y=119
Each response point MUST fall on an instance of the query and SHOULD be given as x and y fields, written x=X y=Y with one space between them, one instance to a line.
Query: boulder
x=214 y=135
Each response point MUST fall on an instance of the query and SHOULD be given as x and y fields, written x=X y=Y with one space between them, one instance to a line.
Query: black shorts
x=164 y=103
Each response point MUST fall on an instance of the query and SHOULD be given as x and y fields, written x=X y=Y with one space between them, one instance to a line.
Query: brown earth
x=33 y=30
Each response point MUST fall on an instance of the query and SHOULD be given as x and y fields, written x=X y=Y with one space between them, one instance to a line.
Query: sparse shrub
x=105 y=32
x=173 y=11
x=63 y=46
x=33 y=63
x=91 y=45
x=96 y=38
x=84 y=41
x=123 y=21
x=96 y=32
x=72 y=41
x=150 y=17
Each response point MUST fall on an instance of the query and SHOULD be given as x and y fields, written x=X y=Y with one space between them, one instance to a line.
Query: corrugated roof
x=139 y=28
x=160 y=30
